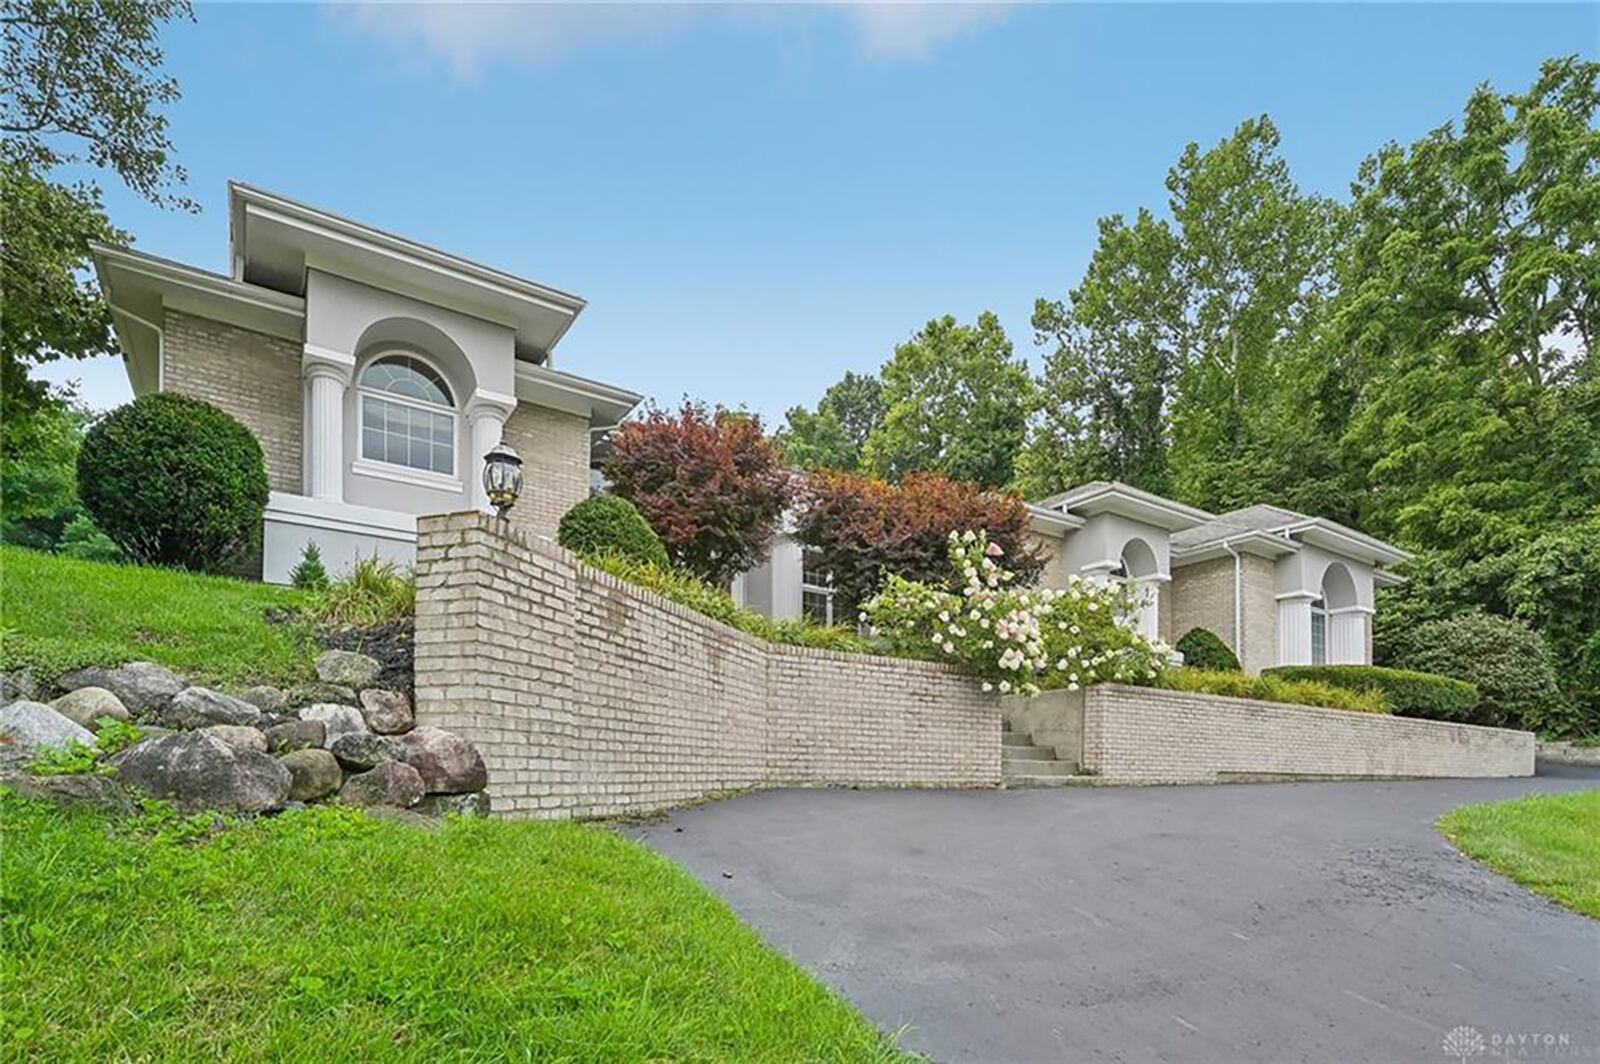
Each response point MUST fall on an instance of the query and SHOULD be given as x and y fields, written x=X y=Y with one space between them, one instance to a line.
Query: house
x=1279 y=587
x=375 y=372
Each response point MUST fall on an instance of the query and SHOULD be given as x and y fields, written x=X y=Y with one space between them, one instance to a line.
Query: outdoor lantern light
x=502 y=478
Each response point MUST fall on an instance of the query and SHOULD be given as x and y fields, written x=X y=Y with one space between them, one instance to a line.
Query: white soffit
x=140 y=288
x=603 y=404
x=276 y=239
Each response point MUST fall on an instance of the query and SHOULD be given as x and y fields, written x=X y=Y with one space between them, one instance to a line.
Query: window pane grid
x=408 y=436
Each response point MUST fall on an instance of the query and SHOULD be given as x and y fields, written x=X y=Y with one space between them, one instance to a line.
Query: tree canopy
x=83 y=88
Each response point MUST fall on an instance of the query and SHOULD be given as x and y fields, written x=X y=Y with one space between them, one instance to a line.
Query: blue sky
x=756 y=199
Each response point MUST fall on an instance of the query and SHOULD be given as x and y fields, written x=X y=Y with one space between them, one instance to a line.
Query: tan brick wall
x=1143 y=735
x=1201 y=596
x=253 y=376
x=554 y=448
x=591 y=697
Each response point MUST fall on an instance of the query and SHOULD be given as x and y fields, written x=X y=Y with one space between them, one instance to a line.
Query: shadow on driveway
x=1265 y=922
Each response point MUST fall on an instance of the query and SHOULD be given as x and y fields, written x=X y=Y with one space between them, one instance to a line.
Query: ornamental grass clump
x=1016 y=638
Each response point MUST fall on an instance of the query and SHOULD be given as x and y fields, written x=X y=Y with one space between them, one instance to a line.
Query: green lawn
x=328 y=935
x=1549 y=843
x=59 y=613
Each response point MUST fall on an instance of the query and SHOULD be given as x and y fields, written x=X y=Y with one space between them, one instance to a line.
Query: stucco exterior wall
x=554 y=447
x=253 y=376
x=1145 y=735
x=590 y=697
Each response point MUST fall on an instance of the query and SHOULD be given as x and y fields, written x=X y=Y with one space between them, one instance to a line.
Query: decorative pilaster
x=1294 y=628
x=327 y=374
x=1347 y=635
x=487 y=413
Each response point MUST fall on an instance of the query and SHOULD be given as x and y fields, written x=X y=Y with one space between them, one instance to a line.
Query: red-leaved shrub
x=710 y=484
x=867 y=528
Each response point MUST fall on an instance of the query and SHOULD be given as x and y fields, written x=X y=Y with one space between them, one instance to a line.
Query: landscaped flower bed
x=1016 y=638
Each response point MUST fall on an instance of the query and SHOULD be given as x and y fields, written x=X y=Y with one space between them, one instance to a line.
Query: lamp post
x=502 y=478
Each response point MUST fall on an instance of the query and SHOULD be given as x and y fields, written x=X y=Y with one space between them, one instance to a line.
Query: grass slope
x=1550 y=843
x=60 y=613
x=327 y=935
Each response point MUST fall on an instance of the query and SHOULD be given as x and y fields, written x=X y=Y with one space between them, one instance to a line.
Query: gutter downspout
x=161 y=342
x=1238 y=598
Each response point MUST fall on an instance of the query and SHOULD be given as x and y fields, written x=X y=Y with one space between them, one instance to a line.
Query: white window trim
x=395 y=471
x=1322 y=612
x=422 y=478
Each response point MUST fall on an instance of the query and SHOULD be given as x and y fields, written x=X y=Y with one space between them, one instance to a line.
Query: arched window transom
x=407 y=415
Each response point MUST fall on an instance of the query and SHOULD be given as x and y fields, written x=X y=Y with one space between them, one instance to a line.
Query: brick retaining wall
x=589 y=696
x=1144 y=735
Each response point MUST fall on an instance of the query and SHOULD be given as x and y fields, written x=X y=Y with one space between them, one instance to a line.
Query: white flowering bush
x=1016 y=639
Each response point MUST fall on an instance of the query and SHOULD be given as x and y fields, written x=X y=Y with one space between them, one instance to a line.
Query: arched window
x=408 y=417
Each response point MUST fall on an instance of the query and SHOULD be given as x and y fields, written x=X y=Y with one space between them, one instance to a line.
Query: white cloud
x=470 y=35
x=914 y=31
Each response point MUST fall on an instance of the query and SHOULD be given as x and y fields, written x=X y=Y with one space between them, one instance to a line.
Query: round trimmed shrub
x=1204 y=649
x=610 y=524
x=1506 y=660
x=174 y=481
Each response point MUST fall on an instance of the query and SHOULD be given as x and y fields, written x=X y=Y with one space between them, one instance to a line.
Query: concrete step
x=1074 y=780
x=1022 y=767
x=1014 y=738
x=1027 y=753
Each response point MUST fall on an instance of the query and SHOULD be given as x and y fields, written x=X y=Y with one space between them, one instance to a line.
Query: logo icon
x=1463 y=1042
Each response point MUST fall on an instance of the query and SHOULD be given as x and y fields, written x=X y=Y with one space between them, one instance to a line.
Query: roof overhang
x=274 y=241
x=1337 y=539
x=1052 y=522
x=1384 y=578
x=1127 y=501
x=1261 y=543
x=603 y=404
x=140 y=288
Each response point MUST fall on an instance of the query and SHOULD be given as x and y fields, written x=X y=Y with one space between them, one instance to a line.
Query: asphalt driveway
x=1267 y=922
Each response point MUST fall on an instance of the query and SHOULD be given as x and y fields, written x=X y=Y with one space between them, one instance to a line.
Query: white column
x=1149 y=615
x=487 y=413
x=1294 y=628
x=1347 y=635
x=327 y=376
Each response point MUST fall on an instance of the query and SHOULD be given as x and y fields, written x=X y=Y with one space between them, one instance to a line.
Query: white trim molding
x=421 y=478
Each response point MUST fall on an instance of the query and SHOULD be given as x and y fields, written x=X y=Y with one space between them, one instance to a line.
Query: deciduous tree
x=866 y=527
x=709 y=482
x=956 y=401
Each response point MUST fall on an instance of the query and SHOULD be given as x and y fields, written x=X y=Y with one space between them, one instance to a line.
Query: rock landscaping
x=257 y=752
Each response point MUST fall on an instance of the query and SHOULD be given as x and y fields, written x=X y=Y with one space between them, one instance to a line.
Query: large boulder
x=17 y=684
x=198 y=707
x=266 y=698
x=296 y=735
x=80 y=791
x=359 y=751
x=447 y=763
x=87 y=705
x=387 y=712
x=348 y=669
x=388 y=783
x=35 y=726
x=442 y=805
x=238 y=736
x=313 y=774
x=336 y=720
x=141 y=685
x=310 y=694
x=198 y=772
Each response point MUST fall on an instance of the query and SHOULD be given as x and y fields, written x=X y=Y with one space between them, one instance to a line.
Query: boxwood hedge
x=1410 y=694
